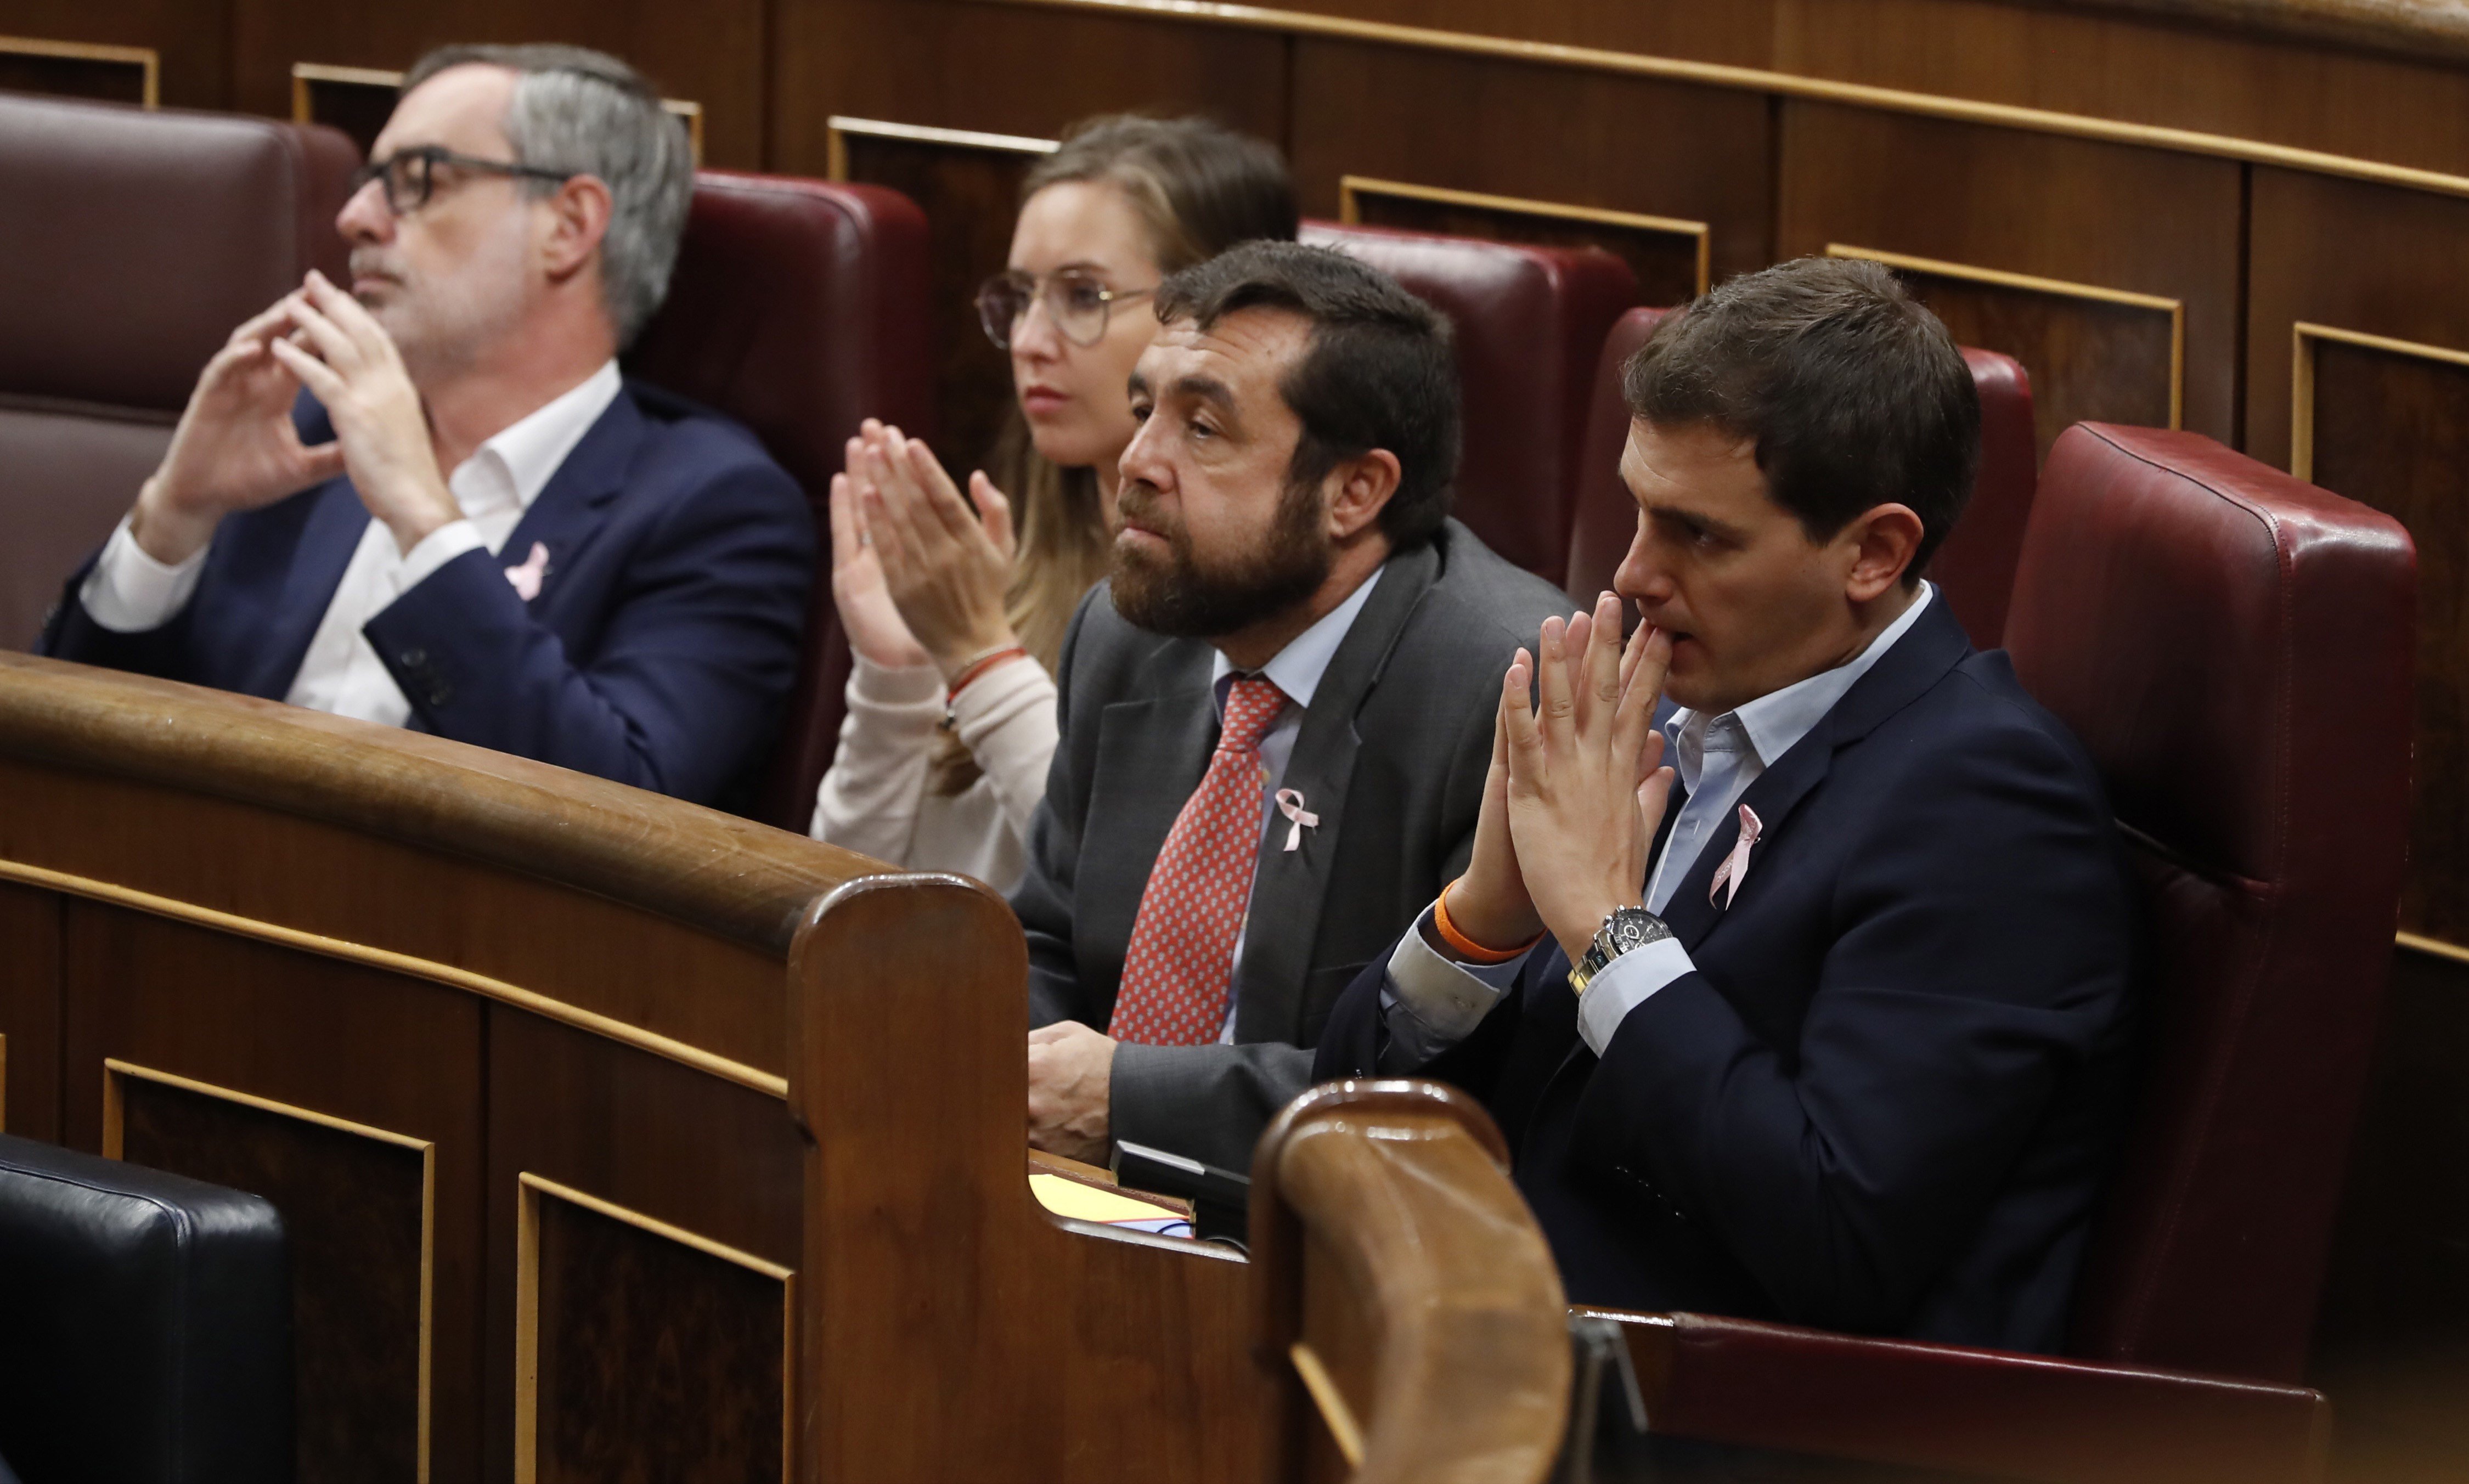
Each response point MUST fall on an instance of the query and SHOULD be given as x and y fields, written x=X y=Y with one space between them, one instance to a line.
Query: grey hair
x=585 y=111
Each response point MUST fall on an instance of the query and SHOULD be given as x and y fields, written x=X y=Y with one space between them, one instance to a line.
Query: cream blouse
x=875 y=798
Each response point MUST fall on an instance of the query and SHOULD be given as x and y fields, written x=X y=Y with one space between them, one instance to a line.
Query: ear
x=1882 y=541
x=1358 y=491
x=578 y=221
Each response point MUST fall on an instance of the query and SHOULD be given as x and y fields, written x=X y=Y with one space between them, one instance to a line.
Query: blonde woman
x=955 y=615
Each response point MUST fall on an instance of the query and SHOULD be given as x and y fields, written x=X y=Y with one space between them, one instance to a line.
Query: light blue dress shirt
x=1435 y=1001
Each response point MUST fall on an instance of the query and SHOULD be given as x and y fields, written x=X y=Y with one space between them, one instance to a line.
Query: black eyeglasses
x=410 y=175
x=1078 y=303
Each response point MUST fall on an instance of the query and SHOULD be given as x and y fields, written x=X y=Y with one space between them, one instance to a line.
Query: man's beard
x=1180 y=598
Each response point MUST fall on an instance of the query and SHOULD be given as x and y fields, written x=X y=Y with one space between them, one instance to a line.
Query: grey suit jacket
x=1391 y=755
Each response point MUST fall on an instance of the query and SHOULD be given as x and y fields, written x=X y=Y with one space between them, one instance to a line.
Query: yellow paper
x=1088 y=1203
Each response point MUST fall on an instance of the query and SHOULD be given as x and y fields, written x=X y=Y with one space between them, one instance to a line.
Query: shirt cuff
x=129 y=591
x=1450 y=997
x=1627 y=982
x=437 y=548
x=919 y=686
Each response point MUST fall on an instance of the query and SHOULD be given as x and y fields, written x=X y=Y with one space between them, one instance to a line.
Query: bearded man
x=1275 y=715
x=608 y=579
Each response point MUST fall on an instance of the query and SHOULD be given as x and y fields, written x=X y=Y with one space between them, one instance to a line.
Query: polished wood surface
x=1409 y=1305
x=938 y=1279
x=357 y=1226
x=337 y=941
x=531 y=1242
x=2097 y=345
x=745 y=882
x=1948 y=1412
x=81 y=69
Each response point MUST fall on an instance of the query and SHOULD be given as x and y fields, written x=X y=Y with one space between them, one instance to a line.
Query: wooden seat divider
x=1408 y=1303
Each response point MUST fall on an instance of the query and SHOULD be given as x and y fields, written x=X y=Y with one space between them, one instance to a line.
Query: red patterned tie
x=1180 y=968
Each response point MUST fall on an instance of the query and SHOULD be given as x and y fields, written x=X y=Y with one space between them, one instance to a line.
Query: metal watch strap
x=1625 y=930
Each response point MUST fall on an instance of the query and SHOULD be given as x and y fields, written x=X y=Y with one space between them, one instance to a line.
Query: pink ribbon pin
x=527 y=578
x=1290 y=802
x=1735 y=868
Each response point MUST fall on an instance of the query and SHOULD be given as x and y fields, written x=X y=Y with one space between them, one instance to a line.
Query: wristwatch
x=1626 y=930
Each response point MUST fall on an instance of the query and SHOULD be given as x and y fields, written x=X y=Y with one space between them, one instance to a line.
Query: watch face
x=1633 y=928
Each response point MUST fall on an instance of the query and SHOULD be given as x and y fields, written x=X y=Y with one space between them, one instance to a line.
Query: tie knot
x=1251 y=707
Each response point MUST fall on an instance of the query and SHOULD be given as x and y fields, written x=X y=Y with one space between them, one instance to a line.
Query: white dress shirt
x=1435 y=1001
x=1296 y=671
x=128 y=591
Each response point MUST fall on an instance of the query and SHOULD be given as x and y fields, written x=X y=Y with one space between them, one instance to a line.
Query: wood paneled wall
x=2027 y=164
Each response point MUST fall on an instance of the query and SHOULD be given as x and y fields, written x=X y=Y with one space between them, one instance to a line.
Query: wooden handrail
x=747 y=881
x=1408 y=1299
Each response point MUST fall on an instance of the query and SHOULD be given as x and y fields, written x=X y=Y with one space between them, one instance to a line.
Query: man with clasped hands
x=1827 y=1024
x=471 y=523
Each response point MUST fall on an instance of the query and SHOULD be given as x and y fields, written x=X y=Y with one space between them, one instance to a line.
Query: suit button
x=413 y=658
x=441 y=693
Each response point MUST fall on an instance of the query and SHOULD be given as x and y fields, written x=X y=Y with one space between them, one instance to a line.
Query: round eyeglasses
x=1075 y=301
x=409 y=176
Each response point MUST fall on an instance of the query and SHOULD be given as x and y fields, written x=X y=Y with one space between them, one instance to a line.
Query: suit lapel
x=570 y=509
x=1933 y=645
x=1290 y=888
x=1151 y=754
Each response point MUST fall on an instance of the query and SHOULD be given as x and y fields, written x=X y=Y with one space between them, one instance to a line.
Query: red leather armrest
x=1981 y=1411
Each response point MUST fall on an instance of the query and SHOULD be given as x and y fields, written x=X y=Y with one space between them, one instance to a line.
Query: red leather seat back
x=136 y=242
x=2234 y=648
x=795 y=307
x=1975 y=566
x=1530 y=322
x=1605 y=520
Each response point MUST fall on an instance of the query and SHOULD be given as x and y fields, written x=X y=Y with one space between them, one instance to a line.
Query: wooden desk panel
x=534 y=1241
x=2051 y=250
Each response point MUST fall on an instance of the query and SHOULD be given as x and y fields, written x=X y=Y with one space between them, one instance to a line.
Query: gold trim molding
x=1350 y=189
x=113 y=1127
x=2175 y=308
x=446 y=974
x=143 y=57
x=303 y=74
x=1784 y=84
x=1344 y=1429
x=530 y=1187
x=838 y=129
x=2431 y=947
x=2301 y=396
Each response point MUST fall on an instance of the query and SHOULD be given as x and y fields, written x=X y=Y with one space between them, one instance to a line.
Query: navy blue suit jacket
x=659 y=652
x=1886 y=1098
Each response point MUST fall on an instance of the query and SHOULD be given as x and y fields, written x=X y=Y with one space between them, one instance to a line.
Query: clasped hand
x=917 y=576
x=237 y=448
x=1577 y=788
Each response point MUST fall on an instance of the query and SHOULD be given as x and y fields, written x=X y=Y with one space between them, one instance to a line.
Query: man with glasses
x=1276 y=715
x=433 y=501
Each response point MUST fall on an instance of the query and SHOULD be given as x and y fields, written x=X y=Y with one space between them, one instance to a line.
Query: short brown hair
x=1853 y=393
x=1378 y=373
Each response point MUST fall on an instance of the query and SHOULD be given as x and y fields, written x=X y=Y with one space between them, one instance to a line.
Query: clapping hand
x=875 y=627
x=946 y=566
x=236 y=448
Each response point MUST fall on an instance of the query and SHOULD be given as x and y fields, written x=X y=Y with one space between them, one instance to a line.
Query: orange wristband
x=1466 y=947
